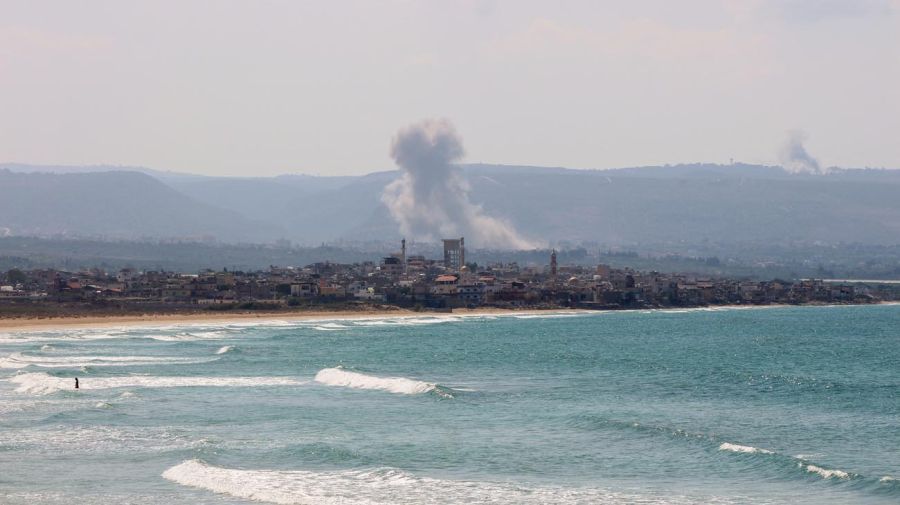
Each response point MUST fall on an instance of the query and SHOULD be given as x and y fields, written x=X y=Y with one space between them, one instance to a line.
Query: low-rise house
x=445 y=285
x=471 y=294
x=307 y=289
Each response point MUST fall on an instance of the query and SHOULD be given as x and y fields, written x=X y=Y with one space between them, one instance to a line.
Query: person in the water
x=76 y=382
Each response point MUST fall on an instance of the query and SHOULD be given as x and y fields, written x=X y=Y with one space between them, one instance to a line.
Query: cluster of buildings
x=416 y=282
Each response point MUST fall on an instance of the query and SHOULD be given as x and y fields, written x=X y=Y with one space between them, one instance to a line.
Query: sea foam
x=19 y=360
x=399 y=385
x=387 y=486
x=826 y=473
x=98 y=439
x=743 y=448
x=167 y=334
x=549 y=315
x=41 y=383
x=189 y=336
x=330 y=327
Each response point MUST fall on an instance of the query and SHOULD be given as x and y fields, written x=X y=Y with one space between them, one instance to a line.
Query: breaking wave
x=330 y=327
x=41 y=383
x=189 y=336
x=768 y=457
x=824 y=472
x=407 y=321
x=550 y=315
x=400 y=385
x=802 y=464
x=224 y=349
x=389 y=486
x=19 y=360
x=743 y=448
x=179 y=334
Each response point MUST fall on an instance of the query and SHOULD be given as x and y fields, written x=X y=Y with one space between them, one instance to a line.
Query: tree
x=16 y=276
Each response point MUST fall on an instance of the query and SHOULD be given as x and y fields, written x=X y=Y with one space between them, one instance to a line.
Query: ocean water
x=769 y=405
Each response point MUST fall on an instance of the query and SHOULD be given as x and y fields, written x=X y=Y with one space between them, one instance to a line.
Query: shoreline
x=150 y=320
x=58 y=323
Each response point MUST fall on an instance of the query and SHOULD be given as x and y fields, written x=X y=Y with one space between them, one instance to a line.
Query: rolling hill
x=669 y=204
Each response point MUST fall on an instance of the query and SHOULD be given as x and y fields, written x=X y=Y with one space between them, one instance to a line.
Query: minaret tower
x=403 y=254
x=553 y=264
x=462 y=252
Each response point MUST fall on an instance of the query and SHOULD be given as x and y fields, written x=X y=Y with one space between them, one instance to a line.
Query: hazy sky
x=268 y=87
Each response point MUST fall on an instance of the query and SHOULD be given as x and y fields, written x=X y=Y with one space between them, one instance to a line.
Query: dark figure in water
x=76 y=382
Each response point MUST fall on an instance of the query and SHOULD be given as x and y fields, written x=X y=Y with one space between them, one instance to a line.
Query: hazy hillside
x=115 y=205
x=671 y=204
x=715 y=203
x=649 y=205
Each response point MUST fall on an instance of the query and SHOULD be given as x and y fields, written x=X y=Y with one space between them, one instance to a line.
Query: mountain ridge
x=660 y=204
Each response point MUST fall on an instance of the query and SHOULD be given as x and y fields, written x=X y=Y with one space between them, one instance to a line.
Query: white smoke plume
x=795 y=158
x=430 y=200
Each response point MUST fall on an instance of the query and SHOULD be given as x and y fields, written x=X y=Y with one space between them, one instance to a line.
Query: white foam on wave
x=407 y=321
x=18 y=360
x=41 y=383
x=330 y=327
x=375 y=322
x=431 y=320
x=97 y=439
x=826 y=473
x=224 y=349
x=743 y=448
x=400 y=385
x=188 y=336
x=168 y=334
x=277 y=323
x=551 y=315
x=390 y=486
x=53 y=336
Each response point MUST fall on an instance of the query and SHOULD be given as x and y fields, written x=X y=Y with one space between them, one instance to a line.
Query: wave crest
x=400 y=385
x=387 y=486
x=18 y=360
x=41 y=383
x=826 y=473
x=743 y=448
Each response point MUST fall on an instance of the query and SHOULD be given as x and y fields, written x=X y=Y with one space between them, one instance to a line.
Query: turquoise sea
x=766 y=405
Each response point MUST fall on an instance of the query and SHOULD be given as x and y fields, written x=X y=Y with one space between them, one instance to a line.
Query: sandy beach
x=51 y=323
x=93 y=321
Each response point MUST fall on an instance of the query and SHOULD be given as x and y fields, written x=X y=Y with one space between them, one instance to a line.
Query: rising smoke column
x=430 y=200
x=795 y=158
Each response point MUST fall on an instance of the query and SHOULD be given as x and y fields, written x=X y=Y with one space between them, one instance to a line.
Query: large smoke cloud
x=430 y=200
x=795 y=158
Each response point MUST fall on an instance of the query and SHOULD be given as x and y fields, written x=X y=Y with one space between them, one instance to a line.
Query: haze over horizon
x=235 y=88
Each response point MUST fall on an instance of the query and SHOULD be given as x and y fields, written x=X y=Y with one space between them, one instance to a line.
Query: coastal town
x=409 y=281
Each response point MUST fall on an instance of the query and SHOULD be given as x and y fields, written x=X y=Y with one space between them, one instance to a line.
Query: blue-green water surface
x=770 y=405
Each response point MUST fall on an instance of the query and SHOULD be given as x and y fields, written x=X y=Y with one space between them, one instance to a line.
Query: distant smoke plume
x=430 y=200
x=794 y=157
